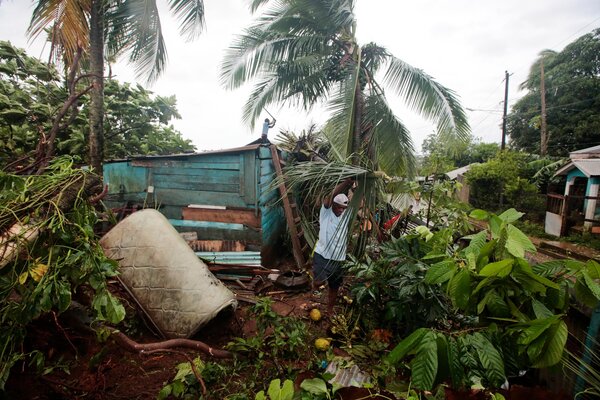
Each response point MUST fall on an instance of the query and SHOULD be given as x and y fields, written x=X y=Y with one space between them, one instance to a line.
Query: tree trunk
x=356 y=129
x=96 y=142
x=543 y=126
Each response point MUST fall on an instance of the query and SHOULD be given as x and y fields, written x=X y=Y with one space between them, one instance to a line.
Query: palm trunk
x=96 y=142
x=356 y=129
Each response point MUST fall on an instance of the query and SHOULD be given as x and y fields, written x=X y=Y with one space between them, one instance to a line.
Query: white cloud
x=465 y=45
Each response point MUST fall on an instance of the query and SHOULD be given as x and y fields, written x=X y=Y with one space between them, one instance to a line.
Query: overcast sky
x=466 y=45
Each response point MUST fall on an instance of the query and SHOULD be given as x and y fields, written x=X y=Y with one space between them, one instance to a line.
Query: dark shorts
x=328 y=270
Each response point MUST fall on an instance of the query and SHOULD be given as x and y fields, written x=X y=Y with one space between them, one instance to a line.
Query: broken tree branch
x=133 y=346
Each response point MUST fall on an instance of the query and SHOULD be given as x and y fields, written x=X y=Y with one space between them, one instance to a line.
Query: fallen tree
x=48 y=249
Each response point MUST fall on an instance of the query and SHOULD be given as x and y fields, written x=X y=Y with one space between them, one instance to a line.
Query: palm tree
x=119 y=26
x=536 y=82
x=303 y=52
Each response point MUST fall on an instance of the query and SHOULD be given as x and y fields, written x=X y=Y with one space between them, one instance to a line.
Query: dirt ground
x=94 y=370
x=106 y=371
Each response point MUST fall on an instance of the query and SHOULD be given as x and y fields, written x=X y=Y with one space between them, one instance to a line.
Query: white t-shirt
x=332 y=242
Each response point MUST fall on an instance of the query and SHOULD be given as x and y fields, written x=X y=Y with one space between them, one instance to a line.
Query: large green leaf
x=459 y=288
x=315 y=386
x=491 y=360
x=511 y=215
x=495 y=226
x=540 y=310
x=522 y=270
x=591 y=284
x=455 y=366
x=553 y=352
x=495 y=304
x=440 y=272
x=425 y=364
x=593 y=269
x=584 y=294
x=517 y=243
x=481 y=215
x=285 y=392
x=408 y=344
x=500 y=269
x=443 y=370
x=535 y=328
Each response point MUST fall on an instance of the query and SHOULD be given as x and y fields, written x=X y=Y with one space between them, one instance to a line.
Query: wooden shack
x=222 y=199
x=575 y=205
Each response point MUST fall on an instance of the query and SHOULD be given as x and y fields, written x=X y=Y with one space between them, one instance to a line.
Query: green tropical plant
x=137 y=121
x=277 y=337
x=302 y=52
x=122 y=27
x=55 y=252
x=185 y=384
x=277 y=391
x=517 y=309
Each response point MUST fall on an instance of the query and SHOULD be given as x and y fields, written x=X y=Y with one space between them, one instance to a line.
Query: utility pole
x=543 y=126
x=503 y=145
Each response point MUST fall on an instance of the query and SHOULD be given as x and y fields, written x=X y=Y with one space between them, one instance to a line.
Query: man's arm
x=341 y=187
x=272 y=124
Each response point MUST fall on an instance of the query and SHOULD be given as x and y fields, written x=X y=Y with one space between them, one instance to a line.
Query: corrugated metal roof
x=590 y=167
x=594 y=149
x=183 y=155
x=459 y=171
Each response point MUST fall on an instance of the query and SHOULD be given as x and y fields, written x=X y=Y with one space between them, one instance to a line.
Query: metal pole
x=505 y=110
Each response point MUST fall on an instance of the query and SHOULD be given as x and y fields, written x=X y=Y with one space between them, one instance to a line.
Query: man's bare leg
x=331 y=297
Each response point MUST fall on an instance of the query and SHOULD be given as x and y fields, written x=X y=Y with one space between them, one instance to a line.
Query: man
x=330 y=251
x=265 y=129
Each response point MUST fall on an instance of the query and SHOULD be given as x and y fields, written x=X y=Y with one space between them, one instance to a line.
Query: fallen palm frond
x=309 y=145
x=48 y=250
x=310 y=182
x=585 y=368
x=39 y=202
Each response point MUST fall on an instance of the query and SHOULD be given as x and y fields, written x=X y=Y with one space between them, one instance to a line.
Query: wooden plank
x=223 y=163
x=196 y=186
x=294 y=233
x=208 y=175
x=180 y=223
x=249 y=178
x=179 y=197
x=245 y=217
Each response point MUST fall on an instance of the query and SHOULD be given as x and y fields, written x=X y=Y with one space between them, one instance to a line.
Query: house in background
x=459 y=176
x=222 y=199
x=577 y=207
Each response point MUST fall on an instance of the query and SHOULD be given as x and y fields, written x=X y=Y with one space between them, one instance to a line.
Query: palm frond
x=427 y=97
x=286 y=31
x=312 y=181
x=297 y=83
x=67 y=22
x=136 y=29
x=257 y=51
x=255 y=4
x=339 y=127
x=190 y=13
x=395 y=152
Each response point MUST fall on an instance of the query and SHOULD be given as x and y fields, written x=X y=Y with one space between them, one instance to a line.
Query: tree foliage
x=305 y=52
x=31 y=93
x=572 y=89
x=504 y=181
x=48 y=222
x=512 y=313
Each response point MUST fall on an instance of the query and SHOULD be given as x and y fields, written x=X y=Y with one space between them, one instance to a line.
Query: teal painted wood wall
x=237 y=178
